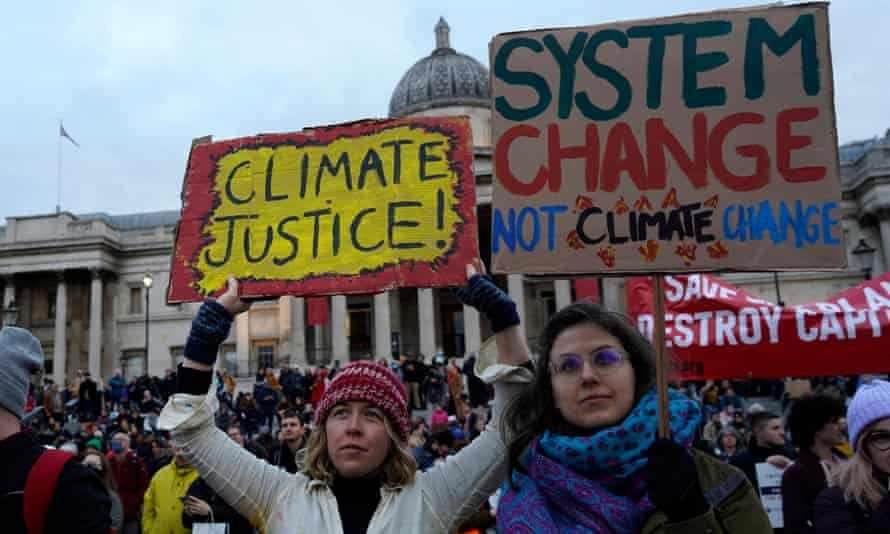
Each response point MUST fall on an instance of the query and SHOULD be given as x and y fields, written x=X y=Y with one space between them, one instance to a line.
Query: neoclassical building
x=77 y=281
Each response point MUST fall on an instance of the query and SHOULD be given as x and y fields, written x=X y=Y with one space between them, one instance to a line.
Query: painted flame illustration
x=687 y=252
x=649 y=251
x=671 y=199
x=718 y=250
x=607 y=255
x=574 y=241
x=643 y=204
x=712 y=202
x=621 y=206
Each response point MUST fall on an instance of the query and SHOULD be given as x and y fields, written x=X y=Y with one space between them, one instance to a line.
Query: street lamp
x=147 y=281
x=864 y=255
x=779 y=300
x=10 y=314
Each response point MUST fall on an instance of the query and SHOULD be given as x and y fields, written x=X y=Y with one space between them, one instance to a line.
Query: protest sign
x=356 y=208
x=692 y=143
x=714 y=330
x=769 y=483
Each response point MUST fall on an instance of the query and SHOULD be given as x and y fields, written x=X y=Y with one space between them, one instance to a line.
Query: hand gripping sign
x=355 y=208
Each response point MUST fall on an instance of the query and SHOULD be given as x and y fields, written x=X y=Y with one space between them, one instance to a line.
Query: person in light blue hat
x=859 y=501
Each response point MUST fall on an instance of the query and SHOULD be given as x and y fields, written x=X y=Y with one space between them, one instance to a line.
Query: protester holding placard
x=359 y=475
x=584 y=456
x=767 y=445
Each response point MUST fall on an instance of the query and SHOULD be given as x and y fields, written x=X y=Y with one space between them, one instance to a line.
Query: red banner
x=587 y=289
x=316 y=310
x=714 y=330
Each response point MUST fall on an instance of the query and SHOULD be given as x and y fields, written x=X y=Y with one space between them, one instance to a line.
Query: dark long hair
x=534 y=410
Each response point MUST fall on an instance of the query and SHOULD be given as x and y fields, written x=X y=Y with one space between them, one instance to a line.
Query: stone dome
x=444 y=78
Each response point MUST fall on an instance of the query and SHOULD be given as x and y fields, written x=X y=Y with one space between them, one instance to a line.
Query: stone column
x=8 y=291
x=427 y=322
x=242 y=343
x=563 y=291
x=339 y=341
x=885 y=243
x=61 y=335
x=516 y=289
x=96 y=324
x=382 y=326
x=472 y=330
x=298 y=332
x=613 y=296
x=318 y=336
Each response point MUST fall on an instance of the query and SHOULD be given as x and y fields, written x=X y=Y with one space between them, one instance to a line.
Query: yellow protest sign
x=345 y=209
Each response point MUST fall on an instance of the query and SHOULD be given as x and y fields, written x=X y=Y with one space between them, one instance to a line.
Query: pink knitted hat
x=370 y=382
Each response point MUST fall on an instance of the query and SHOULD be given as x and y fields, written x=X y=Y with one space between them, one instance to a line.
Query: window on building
x=177 y=355
x=48 y=351
x=133 y=363
x=135 y=300
x=51 y=305
x=265 y=355
x=548 y=300
x=229 y=356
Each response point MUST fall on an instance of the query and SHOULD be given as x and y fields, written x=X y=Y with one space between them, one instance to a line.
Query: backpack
x=40 y=486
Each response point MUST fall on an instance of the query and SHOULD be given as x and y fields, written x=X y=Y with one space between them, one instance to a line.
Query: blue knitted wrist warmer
x=503 y=316
x=209 y=328
x=482 y=294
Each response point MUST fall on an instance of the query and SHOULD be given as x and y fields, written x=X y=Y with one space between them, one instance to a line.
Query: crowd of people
x=566 y=443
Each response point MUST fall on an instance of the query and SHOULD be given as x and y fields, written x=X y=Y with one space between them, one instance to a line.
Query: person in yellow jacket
x=162 y=504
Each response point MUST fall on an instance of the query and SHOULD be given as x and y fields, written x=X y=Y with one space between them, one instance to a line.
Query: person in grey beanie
x=859 y=502
x=80 y=503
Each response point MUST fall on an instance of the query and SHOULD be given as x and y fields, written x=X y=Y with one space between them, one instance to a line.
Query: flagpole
x=59 y=172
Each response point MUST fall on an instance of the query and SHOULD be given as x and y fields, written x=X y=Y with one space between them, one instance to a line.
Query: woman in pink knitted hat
x=358 y=474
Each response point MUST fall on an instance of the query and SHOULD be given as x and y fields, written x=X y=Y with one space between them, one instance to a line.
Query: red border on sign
x=199 y=201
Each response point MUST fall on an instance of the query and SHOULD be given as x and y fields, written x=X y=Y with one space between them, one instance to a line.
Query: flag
x=587 y=289
x=316 y=310
x=64 y=134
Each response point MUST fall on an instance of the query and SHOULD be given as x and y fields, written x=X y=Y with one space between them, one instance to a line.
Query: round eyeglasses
x=879 y=439
x=605 y=361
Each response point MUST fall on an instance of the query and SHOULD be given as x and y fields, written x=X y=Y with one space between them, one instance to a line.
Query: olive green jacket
x=735 y=506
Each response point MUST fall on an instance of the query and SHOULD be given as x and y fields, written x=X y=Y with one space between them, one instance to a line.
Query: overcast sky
x=135 y=84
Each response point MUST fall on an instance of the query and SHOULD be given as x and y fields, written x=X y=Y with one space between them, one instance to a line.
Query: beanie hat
x=370 y=382
x=95 y=443
x=871 y=402
x=20 y=357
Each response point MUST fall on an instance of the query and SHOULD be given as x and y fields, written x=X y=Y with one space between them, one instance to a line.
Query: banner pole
x=661 y=378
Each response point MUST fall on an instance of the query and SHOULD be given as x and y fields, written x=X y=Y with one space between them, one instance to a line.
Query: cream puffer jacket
x=436 y=502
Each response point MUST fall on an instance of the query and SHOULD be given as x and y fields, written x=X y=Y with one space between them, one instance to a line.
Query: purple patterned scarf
x=592 y=483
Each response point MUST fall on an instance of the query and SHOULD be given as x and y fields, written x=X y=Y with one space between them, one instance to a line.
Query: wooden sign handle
x=661 y=375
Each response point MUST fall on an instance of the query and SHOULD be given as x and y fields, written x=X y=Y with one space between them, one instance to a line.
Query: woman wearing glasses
x=584 y=455
x=859 y=501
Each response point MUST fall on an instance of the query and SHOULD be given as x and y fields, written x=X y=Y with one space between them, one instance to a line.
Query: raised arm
x=482 y=294
x=458 y=487
x=247 y=483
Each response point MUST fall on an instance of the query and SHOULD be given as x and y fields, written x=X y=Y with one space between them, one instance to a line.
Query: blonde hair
x=856 y=477
x=398 y=468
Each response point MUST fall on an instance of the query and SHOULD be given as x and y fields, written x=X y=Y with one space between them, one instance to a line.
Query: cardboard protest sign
x=355 y=208
x=769 y=485
x=692 y=143
x=715 y=330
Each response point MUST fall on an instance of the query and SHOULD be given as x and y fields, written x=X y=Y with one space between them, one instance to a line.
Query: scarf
x=592 y=483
